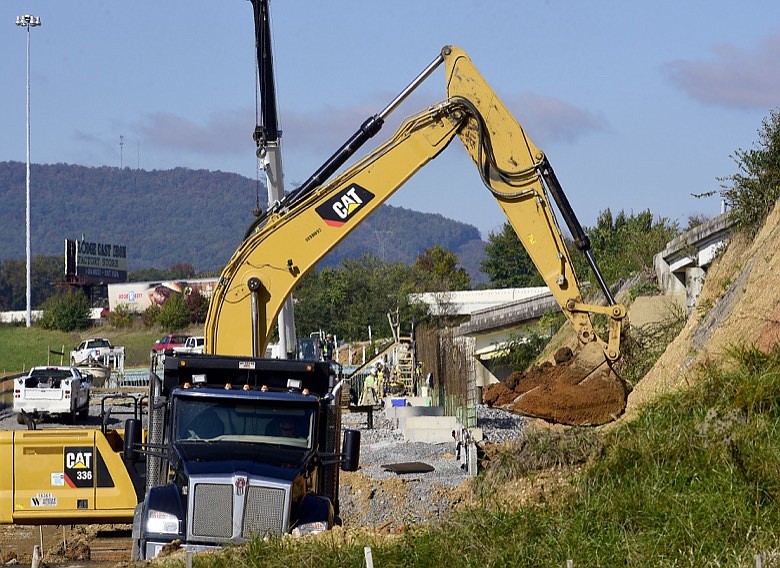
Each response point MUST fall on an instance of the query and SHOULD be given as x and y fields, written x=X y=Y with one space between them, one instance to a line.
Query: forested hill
x=188 y=216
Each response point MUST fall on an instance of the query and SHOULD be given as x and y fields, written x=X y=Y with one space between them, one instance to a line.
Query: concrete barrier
x=433 y=429
x=395 y=412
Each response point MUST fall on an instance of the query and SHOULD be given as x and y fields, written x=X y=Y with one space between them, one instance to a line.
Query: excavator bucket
x=579 y=390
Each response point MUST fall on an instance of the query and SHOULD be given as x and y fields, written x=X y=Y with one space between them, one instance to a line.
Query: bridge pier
x=681 y=266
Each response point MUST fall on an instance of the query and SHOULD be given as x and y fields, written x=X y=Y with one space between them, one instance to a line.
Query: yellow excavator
x=292 y=236
x=105 y=475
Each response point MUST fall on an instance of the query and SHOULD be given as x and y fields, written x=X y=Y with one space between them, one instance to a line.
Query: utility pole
x=121 y=151
x=268 y=139
x=28 y=21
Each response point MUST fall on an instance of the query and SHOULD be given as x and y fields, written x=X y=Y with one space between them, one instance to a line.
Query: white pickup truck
x=193 y=344
x=52 y=390
x=97 y=349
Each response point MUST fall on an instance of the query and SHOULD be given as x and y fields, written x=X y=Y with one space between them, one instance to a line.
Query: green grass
x=22 y=348
x=694 y=481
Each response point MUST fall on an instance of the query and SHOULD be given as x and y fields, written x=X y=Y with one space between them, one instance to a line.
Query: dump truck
x=240 y=447
x=234 y=447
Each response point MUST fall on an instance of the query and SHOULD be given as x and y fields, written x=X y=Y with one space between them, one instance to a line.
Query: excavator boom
x=289 y=241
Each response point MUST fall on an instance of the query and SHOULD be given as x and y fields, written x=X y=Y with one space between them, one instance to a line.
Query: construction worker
x=381 y=379
x=368 y=398
x=328 y=348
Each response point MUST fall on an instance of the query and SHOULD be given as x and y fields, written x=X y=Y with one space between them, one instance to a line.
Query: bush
x=67 y=311
x=753 y=191
x=150 y=316
x=173 y=314
x=197 y=306
x=120 y=318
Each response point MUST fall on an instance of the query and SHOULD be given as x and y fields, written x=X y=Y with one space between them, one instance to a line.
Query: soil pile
x=738 y=305
x=581 y=390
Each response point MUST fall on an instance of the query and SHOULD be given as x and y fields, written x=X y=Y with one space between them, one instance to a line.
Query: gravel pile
x=377 y=498
x=499 y=426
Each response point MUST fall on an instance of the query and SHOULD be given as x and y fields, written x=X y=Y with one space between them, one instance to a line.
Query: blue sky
x=637 y=105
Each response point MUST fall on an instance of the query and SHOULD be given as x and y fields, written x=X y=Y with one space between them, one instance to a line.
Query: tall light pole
x=28 y=21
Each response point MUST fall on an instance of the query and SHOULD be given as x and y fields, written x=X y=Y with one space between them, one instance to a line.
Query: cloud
x=224 y=133
x=734 y=77
x=548 y=119
x=323 y=131
x=326 y=129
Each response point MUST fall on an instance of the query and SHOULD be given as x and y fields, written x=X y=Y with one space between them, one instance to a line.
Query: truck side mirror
x=351 y=450
x=132 y=438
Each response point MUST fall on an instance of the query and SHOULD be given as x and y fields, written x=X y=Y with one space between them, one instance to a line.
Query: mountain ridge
x=161 y=215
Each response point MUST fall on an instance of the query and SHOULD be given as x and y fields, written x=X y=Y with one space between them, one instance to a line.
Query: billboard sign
x=138 y=296
x=96 y=263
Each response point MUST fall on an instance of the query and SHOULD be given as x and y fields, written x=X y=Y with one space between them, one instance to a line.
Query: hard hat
x=372 y=371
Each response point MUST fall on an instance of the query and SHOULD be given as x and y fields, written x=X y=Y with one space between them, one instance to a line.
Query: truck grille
x=213 y=510
x=264 y=512
x=220 y=513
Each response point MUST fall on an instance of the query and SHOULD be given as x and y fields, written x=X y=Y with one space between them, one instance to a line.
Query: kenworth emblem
x=338 y=209
x=240 y=485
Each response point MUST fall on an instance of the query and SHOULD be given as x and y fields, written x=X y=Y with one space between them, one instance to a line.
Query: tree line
x=348 y=299
x=357 y=294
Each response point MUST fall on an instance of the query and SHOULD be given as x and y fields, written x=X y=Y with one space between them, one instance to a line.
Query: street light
x=28 y=22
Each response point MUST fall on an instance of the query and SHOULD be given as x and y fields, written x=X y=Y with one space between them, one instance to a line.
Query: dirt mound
x=581 y=390
x=738 y=305
x=77 y=549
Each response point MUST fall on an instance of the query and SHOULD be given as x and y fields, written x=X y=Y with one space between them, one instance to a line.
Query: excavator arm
x=289 y=241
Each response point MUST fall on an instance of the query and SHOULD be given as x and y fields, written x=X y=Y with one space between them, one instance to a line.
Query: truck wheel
x=139 y=545
x=138 y=550
x=19 y=418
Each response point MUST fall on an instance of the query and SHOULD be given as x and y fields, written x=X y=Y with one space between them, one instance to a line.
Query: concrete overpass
x=492 y=314
x=682 y=265
x=493 y=317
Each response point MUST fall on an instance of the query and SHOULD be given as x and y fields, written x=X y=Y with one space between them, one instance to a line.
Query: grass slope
x=22 y=348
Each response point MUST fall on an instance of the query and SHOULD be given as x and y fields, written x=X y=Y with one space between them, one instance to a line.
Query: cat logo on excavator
x=78 y=466
x=339 y=208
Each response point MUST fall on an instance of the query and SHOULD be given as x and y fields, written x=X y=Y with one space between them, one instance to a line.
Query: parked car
x=52 y=390
x=194 y=344
x=97 y=349
x=168 y=342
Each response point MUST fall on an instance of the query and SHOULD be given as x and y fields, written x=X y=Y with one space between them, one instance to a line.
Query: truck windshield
x=242 y=421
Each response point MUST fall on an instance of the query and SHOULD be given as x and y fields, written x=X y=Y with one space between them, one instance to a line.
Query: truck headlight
x=313 y=527
x=162 y=523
